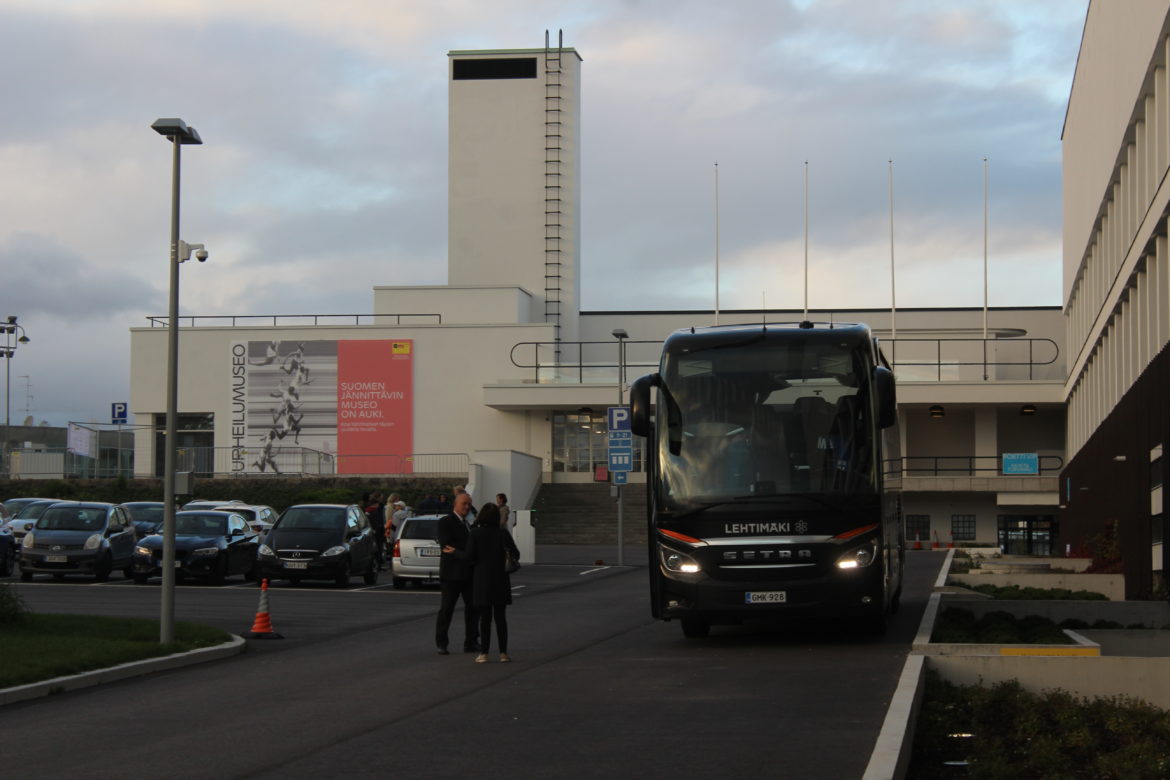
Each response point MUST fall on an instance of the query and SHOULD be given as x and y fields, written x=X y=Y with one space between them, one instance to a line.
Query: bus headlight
x=859 y=557
x=678 y=562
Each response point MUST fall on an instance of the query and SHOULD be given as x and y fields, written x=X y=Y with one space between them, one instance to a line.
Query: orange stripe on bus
x=680 y=537
x=856 y=532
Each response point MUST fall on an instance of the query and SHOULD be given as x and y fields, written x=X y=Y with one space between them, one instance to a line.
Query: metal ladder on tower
x=553 y=214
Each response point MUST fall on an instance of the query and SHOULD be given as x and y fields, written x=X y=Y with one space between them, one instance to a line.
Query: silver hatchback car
x=416 y=551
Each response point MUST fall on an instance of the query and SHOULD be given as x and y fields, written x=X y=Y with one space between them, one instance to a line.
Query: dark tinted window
x=73 y=518
x=496 y=68
x=196 y=524
x=146 y=514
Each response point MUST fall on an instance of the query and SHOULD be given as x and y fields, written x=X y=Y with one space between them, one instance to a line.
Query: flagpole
x=806 y=240
x=893 y=287
x=717 y=243
x=985 y=198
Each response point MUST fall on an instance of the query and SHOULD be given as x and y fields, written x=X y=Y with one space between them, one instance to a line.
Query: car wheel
x=26 y=576
x=398 y=583
x=342 y=580
x=140 y=579
x=59 y=577
x=370 y=577
x=7 y=564
x=694 y=628
x=128 y=572
x=219 y=575
x=102 y=572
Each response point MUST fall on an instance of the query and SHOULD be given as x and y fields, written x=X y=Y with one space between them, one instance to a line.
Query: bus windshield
x=765 y=416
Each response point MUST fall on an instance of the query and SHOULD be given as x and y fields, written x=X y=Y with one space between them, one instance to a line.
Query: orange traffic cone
x=262 y=625
x=934 y=544
x=917 y=541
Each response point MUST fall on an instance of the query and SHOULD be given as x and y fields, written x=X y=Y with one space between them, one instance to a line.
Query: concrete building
x=500 y=375
x=1116 y=147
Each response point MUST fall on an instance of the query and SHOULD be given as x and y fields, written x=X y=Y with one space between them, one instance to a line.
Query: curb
x=37 y=690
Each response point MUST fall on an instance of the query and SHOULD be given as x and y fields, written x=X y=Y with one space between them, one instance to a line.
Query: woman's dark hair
x=489 y=514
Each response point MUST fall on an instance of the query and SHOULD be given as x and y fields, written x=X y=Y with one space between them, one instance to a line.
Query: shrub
x=12 y=607
x=1007 y=732
x=1017 y=593
x=996 y=628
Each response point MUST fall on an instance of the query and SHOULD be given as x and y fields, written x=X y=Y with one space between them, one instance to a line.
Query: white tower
x=514 y=176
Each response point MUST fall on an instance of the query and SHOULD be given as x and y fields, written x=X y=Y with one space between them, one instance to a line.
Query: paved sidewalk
x=590 y=554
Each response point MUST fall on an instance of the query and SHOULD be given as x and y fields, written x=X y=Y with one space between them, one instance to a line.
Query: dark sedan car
x=320 y=541
x=147 y=517
x=74 y=537
x=210 y=545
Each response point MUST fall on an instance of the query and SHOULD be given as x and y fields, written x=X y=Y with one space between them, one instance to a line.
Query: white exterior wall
x=496 y=180
x=456 y=305
x=451 y=365
x=1116 y=149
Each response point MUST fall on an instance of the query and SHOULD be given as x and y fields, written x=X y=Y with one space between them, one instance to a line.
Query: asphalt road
x=596 y=689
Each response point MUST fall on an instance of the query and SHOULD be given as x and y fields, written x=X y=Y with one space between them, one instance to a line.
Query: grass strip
x=43 y=646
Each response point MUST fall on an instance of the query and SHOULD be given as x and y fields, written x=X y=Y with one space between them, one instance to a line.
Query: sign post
x=621 y=459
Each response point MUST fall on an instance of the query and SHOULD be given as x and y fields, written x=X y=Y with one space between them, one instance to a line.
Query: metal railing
x=61 y=463
x=302 y=461
x=291 y=320
x=580 y=362
x=964 y=466
x=597 y=362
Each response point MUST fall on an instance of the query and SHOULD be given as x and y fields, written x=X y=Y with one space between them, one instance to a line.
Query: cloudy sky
x=323 y=170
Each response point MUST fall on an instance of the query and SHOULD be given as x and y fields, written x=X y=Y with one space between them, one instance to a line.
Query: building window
x=1156 y=529
x=581 y=443
x=918 y=527
x=196 y=445
x=963 y=528
x=494 y=68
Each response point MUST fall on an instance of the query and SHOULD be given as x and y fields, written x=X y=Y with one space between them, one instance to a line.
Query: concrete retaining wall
x=1147 y=679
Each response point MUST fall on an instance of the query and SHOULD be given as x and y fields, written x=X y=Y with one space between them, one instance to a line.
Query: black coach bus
x=766 y=492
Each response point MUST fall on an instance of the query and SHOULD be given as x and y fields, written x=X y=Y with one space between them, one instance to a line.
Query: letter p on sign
x=619 y=418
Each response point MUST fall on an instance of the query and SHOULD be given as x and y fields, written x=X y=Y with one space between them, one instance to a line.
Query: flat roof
x=494 y=52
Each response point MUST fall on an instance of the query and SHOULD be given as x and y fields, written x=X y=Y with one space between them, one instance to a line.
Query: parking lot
x=596 y=688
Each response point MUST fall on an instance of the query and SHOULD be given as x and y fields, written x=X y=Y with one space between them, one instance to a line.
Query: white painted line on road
x=590 y=571
x=519 y=587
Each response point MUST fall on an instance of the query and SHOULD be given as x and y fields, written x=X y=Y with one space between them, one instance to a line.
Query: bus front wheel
x=694 y=628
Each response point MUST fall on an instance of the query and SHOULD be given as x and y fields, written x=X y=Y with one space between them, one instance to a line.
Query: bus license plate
x=765 y=597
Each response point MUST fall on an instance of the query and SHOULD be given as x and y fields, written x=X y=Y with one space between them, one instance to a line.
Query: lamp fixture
x=937 y=411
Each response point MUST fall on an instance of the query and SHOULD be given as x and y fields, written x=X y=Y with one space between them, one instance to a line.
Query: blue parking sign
x=119 y=413
x=618 y=418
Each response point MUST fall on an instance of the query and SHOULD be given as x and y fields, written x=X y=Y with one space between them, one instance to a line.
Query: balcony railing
x=302 y=461
x=964 y=466
x=913 y=359
x=294 y=320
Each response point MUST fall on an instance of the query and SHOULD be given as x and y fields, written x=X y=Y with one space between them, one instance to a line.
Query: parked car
x=147 y=516
x=209 y=503
x=27 y=514
x=416 y=552
x=211 y=545
x=320 y=541
x=260 y=518
x=74 y=537
x=7 y=551
x=14 y=505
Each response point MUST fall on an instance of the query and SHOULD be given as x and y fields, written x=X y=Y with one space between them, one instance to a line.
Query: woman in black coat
x=491 y=587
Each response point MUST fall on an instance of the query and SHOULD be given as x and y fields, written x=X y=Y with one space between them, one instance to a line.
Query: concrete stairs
x=586 y=514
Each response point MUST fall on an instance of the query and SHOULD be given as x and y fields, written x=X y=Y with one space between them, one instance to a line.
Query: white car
x=260 y=518
x=416 y=551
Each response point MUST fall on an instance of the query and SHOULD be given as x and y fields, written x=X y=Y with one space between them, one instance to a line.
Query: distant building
x=500 y=376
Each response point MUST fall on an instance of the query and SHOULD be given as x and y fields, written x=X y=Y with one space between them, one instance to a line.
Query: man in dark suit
x=455 y=578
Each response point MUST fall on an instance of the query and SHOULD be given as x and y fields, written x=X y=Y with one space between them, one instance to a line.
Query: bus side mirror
x=640 y=403
x=887 y=396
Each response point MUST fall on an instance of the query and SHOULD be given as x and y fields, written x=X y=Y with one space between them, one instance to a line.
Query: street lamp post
x=178 y=133
x=621 y=335
x=14 y=336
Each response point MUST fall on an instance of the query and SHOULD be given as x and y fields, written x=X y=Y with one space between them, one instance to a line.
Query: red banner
x=375 y=395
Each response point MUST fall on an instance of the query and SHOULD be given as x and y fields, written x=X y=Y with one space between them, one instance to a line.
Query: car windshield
x=313 y=518
x=247 y=514
x=421 y=529
x=198 y=524
x=72 y=518
x=33 y=511
x=146 y=514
